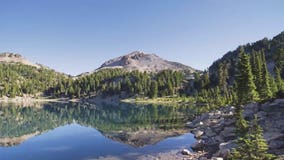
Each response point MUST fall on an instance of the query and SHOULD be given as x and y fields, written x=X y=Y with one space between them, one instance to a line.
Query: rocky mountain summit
x=16 y=58
x=144 y=62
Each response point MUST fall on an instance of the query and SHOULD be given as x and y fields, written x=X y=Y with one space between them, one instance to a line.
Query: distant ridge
x=8 y=57
x=144 y=62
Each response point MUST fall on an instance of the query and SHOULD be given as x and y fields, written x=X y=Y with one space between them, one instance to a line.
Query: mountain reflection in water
x=79 y=131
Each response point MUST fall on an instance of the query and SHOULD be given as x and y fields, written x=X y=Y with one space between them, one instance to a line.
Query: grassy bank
x=160 y=100
x=37 y=99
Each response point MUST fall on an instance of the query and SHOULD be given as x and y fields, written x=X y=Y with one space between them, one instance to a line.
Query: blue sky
x=75 y=36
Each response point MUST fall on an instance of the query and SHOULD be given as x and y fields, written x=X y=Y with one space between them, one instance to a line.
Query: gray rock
x=198 y=145
x=261 y=115
x=278 y=101
x=209 y=132
x=190 y=125
x=198 y=133
x=219 y=126
x=217 y=158
x=229 y=122
x=185 y=152
x=218 y=139
x=228 y=132
x=227 y=145
x=204 y=137
x=204 y=116
x=225 y=149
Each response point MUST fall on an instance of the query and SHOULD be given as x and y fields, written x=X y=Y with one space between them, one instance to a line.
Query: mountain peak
x=141 y=61
x=8 y=57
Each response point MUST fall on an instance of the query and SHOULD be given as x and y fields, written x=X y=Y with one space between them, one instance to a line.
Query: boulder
x=204 y=116
x=228 y=132
x=218 y=139
x=198 y=133
x=219 y=126
x=261 y=115
x=185 y=152
x=202 y=158
x=229 y=121
x=209 y=132
x=190 y=125
x=198 y=145
x=227 y=145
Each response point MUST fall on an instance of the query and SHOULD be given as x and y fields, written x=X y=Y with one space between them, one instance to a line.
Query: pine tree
x=222 y=76
x=241 y=124
x=154 y=89
x=206 y=80
x=252 y=145
x=278 y=79
x=257 y=70
x=246 y=90
x=258 y=143
x=273 y=85
x=265 y=89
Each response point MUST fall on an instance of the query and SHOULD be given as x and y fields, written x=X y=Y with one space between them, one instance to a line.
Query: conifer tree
x=265 y=89
x=206 y=80
x=273 y=85
x=246 y=90
x=222 y=76
x=278 y=79
x=252 y=145
x=257 y=70
x=241 y=124
x=154 y=89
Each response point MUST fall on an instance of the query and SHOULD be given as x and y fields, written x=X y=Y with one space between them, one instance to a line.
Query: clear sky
x=75 y=36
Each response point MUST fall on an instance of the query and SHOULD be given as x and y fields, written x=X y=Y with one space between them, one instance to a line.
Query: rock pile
x=215 y=130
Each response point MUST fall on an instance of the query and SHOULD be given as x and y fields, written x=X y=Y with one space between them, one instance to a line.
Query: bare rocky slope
x=16 y=58
x=145 y=62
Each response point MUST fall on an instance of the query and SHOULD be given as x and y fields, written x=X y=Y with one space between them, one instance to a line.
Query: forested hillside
x=272 y=49
x=18 y=79
x=108 y=82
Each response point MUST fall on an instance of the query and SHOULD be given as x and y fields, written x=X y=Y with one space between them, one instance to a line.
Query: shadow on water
x=124 y=128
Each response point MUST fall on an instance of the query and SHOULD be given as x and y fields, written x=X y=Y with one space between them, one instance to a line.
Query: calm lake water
x=87 y=131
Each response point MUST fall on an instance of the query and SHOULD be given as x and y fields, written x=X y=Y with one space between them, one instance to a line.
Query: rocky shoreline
x=215 y=130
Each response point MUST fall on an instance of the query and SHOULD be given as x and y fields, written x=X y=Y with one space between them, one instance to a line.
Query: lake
x=77 y=131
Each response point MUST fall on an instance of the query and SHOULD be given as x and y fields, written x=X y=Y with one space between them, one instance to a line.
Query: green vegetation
x=246 y=90
x=109 y=82
x=251 y=144
x=243 y=75
x=19 y=79
x=162 y=100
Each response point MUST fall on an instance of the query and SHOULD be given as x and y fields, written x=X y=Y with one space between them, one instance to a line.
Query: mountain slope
x=274 y=55
x=16 y=58
x=20 y=77
x=145 y=62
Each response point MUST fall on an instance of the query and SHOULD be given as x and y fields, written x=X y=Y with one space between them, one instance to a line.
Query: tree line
x=108 y=82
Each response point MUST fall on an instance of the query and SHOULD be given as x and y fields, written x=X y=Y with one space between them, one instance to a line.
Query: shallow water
x=86 y=131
